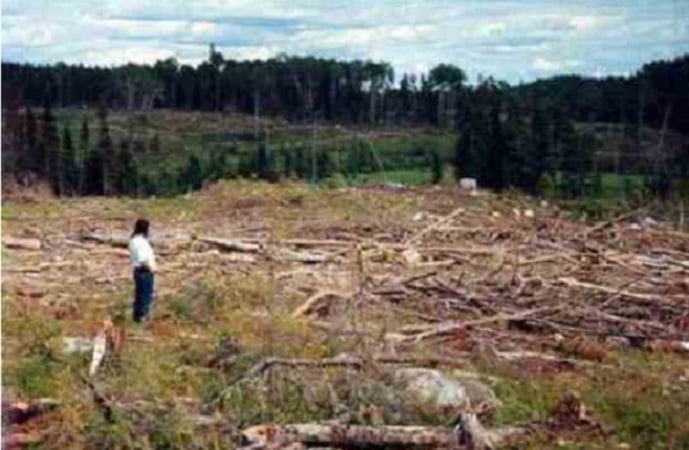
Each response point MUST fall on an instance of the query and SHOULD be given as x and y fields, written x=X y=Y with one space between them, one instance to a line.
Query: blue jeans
x=143 y=282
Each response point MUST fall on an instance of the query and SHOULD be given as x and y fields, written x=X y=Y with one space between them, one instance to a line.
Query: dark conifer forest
x=563 y=133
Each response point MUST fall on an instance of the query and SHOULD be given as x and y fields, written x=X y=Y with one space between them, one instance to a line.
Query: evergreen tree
x=107 y=150
x=326 y=164
x=51 y=151
x=265 y=164
x=84 y=154
x=246 y=165
x=93 y=172
x=139 y=148
x=107 y=153
x=127 y=170
x=538 y=155
x=289 y=162
x=217 y=163
x=437 y=166
x=596 y=188
x=70 y=165
x=191 y=177
x=576 y=150
x=300 y=163
x=493 y=170
x=33 y=161
x=517 y=172
x=529 y=151
x=154 y=147
x=262 y=161
x=361 y=158
x=465 y=158
x=682 y=165
x=13 y=137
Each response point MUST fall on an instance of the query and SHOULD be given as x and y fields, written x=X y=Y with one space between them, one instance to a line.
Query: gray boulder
x=435 y=388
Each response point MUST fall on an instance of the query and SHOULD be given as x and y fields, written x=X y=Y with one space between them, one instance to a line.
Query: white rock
x=649 y=222
x=411 y=256
x=419 y=216
x=529 y=213
x=99 y=344
x=431 y=386
x=468 y=183
x=76 y=345
x=516 y=212
x=436 y=388
x=496 y=214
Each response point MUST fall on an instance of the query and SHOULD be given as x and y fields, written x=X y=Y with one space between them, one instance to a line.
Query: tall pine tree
x=95 y=167
x=154 y=147
x=32 y=161
x=51 y=151
x=69 y=174
x=191 y=177
x=437 y=166
x=265 y=164
x=127 y=170
x=493 y=170
x=84 y=153
x=107 y=153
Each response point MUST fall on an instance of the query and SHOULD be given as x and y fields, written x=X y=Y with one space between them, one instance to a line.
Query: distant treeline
x=348 y=91
x=508 y=136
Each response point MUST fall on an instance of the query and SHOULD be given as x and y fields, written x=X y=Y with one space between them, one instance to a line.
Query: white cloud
x=490 y=29
x=115 y=56
x=204 y=29
x=552 y=65
x=126 y=28
x=511 y=39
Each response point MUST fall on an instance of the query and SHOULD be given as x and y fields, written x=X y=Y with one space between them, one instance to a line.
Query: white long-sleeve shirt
x=141 y=252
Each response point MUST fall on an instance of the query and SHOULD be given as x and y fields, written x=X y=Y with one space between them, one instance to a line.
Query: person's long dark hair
x=141 y=228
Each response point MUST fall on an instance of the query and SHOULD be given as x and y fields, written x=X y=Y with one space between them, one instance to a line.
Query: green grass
x=640 y=409
x=411 y=177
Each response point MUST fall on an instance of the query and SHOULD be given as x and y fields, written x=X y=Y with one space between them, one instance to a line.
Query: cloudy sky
x=510 y=39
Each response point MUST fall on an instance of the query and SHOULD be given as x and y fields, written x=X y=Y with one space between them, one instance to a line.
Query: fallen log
x=447 y=219
x=349 y=436
x=20 y=412
x=572 y=282
x=284 y=254
x=297 y=242
x=313 y=302
x=232 y=244
x=119 y=241
x=453 y=327
x=164 y=244
x=475 y=436
x=468 y=434
x=608 y=223
x=22 y=243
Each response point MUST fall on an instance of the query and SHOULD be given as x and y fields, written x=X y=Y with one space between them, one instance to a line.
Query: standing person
x=144 y=265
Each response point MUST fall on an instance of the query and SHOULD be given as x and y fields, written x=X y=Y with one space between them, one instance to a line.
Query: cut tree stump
x=22 y=243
